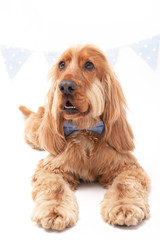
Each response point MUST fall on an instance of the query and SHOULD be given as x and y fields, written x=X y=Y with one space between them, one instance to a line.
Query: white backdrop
x=42 y=26
x=53 y=24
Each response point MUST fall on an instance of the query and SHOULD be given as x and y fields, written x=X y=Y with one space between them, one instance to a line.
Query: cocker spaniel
x=84 y=128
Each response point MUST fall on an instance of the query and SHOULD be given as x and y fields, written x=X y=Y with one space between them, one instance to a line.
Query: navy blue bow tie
x=69 y=128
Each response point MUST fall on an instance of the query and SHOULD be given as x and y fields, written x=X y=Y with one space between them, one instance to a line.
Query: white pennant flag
x=112 y=54
x=148 y=50
x=52 y=57
x=14 y=58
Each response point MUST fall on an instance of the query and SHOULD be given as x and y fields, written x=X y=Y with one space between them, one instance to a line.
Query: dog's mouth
x=70 y=109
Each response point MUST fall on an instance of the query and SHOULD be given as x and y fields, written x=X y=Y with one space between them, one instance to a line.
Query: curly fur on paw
x=124 y=214
x=54 y=218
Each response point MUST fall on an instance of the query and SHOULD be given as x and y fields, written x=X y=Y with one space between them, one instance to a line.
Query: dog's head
x=85 y=90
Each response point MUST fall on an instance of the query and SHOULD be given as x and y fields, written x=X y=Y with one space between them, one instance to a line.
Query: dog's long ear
x=51 y=135
x=117 y=131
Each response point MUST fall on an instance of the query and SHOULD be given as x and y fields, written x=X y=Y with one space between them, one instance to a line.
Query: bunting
x=14 y=59
x=112 y=54
x=51 y=57
x=148 y=49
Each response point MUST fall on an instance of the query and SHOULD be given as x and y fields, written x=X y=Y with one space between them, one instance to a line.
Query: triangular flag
x=51 y=57
x=148 y=50
x=112 y=54
x=14 y=58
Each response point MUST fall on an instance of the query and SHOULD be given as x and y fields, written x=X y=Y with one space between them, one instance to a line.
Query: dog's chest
x=80 y=154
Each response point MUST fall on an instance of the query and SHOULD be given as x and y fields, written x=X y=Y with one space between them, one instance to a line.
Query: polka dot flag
x=147 y=49
x=14 y=59
x=112 y=54
x=51 y=57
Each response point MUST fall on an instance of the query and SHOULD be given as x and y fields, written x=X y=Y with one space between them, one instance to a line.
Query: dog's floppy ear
x=117 y=131
x=51 y=135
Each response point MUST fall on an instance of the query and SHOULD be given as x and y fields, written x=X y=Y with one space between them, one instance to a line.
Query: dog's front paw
x=57 y=218
x=124 y=214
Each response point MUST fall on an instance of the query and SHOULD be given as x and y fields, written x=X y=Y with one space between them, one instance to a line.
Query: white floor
x=141 y=86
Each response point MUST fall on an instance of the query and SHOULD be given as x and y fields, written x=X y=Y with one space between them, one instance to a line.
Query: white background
x=55 y=25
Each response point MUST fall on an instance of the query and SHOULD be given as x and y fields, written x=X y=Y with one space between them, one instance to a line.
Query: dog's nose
x=67 y=87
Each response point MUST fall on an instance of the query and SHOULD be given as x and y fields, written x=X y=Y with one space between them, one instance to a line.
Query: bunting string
x=14 y=58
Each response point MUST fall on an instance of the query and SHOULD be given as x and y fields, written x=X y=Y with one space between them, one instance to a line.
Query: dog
x=85 y=95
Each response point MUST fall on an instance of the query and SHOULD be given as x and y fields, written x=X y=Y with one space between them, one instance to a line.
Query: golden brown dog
x=85 y=92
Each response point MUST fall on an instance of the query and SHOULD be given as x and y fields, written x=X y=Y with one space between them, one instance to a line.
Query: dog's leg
x=126 y=202
x=55 y=203
x=32 y=125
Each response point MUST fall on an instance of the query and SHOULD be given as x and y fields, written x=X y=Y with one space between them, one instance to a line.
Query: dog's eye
x=62 y=65
x=88 y=66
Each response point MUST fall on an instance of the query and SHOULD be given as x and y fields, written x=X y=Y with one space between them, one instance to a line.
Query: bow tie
x=69 y=128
